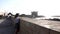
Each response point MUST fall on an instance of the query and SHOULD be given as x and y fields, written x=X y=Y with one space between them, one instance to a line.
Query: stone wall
x=30 y=28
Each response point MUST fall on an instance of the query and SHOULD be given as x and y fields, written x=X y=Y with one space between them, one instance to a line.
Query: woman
x=17 y=22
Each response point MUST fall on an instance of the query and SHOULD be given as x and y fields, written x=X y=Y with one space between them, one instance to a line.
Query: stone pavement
x=6 y=26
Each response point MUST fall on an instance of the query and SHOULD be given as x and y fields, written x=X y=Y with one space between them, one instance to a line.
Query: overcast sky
x=44 y=7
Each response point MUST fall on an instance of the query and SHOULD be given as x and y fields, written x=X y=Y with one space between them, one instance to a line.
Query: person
x=7 y=26
x=17 y=22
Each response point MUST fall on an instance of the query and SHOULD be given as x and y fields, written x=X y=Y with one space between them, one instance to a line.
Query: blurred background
x=47 y=8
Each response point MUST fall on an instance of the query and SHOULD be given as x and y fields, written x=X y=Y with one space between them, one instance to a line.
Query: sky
x=43 y=7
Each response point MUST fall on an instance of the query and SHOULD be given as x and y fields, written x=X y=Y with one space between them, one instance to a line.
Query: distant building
x=22 y=15
x=1 y=14
x=34 y=14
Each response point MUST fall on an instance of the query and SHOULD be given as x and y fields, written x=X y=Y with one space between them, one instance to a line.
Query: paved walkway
x=6 y=26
